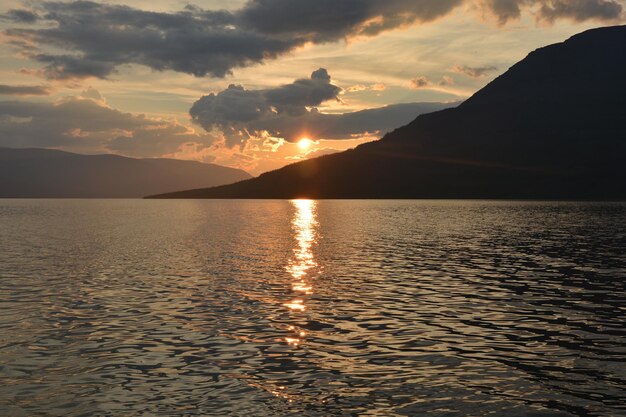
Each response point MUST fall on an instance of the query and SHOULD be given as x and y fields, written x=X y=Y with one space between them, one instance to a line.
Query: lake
x=312 y=308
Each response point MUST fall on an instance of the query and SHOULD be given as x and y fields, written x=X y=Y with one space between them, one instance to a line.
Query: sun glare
x=305 y=143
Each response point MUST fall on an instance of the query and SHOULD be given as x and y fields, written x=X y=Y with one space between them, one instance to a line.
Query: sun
x=305 y=143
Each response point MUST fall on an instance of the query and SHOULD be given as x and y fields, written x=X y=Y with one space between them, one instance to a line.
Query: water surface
x=252 y=308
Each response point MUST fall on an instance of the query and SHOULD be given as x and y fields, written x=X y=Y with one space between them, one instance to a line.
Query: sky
x=241 y=82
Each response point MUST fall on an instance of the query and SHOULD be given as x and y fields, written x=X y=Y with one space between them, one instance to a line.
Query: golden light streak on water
x=304 y=226
x=296 y=305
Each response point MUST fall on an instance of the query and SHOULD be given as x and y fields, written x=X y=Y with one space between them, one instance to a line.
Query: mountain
x=552 y=127
x=44 y=173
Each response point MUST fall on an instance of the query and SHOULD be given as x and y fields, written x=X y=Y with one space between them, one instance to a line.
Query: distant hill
x=552 y=127
x=44 y=173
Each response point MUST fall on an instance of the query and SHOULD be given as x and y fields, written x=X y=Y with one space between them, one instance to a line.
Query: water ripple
x=374 y=308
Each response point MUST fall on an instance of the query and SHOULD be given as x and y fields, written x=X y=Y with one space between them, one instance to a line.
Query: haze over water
x=426 y=308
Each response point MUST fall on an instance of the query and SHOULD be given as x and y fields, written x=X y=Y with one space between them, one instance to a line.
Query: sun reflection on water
x=304 y=225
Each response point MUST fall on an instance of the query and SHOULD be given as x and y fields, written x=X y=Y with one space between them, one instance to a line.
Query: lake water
x=304 y=308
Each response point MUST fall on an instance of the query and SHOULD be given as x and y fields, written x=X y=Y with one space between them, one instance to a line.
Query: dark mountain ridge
x=552 y=127
x=46 y=173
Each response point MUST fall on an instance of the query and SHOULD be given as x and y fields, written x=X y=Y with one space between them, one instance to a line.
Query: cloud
x=65 y=67
x=242 y=113
x=361 y=87
x=21 y=16
x=100 y=37
x=290 y=112
x=94 y=94
x=446 y=81
x=294 y=98
x=24 y=90
x=551 y=10
x=473 y=72
x=369 y=122
x=97 y=38
x=420 y=82
x=322 y=21
x=580 y=10
x=505 y=10
x=88 y=125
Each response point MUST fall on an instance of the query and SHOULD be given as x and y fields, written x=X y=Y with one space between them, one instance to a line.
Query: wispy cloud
x=24 y=90
x=473 y=72
x=362 y=87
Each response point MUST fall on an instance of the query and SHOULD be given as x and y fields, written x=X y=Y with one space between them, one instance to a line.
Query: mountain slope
x=553 y=126
x=44 y=173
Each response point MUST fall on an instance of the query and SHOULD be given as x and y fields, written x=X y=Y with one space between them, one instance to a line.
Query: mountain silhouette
x=45 y=173
x=552 y=127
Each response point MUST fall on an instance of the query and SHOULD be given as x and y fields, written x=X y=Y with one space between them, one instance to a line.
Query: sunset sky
x=240 y=83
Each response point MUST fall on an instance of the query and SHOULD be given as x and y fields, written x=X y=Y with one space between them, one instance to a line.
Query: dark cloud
x=294 y=98
x=101 y=37
x=329 y=20
x=24 y=90
x=473 y=72
x=60 y=67
x=98 y=37
x=85 y=123
x=20 y=16
x=290 y=112
x=551 y=10
x=239 y=112
x=580 y=10
x=505 y=10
